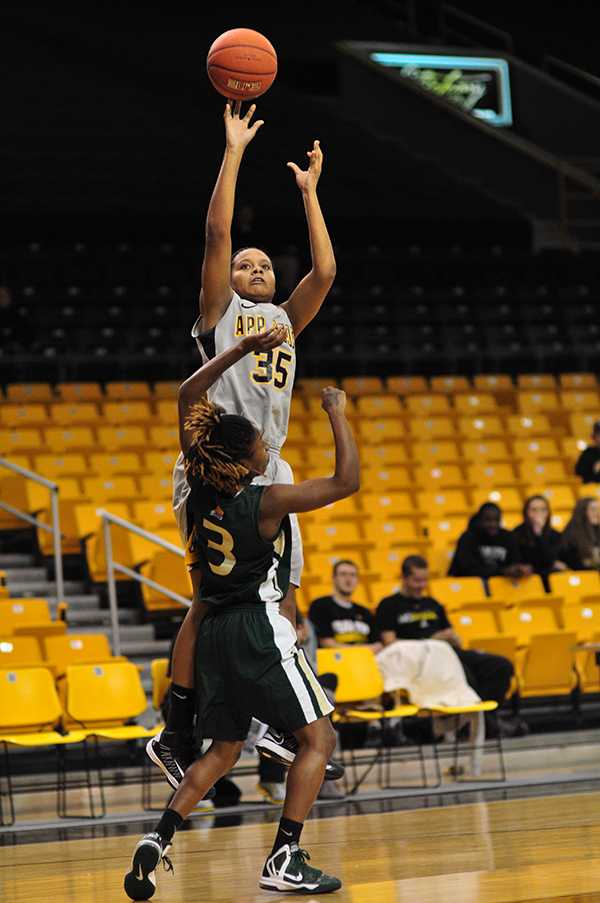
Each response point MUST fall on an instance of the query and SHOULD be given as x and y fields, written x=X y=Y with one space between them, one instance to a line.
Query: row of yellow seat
x=56 y=652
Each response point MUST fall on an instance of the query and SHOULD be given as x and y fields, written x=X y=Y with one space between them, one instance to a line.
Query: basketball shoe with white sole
x=173 y=757
x=287 y=871
x=283 y=748
x=140 y=881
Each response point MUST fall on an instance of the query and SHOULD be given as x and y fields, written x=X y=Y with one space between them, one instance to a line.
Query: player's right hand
x=333 y=400
x=264 y=341
x=238 y=131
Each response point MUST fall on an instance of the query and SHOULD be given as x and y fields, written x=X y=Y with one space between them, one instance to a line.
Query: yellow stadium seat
x=136 y=391
x=548 y=665
x=161 y=681
x=320 y=433
x=159 y=462
x=439 y=558
x=518 y=425
x=83 y=413
x=385 y=563
x=536 y=381
x=542 y=472
x=101 y=491
x=443 y=502
x=509 y=500
x=164 y=437
x=155 y=487
x=345 y=509
x=384 y=456
x=374 y=432
x=298 y=409
x=297 y=459
x=457 y=592
x=582 y=424
x=20 y=652
x=169 y=571
x=318 y=566
x=588 y=490
x=87 y=525
x=511 y=592
x=340 y=535
x=580 y=401
x=537 y=402
x=131 y=412
x=28 y=440
x=20 y=393
x=478 y=428
x=359 y=678
x=475 y=404
x=450 y=384
x=406 y=385
x=525 y=621
x=314 y=385
x=103 y=698
x=444 y=530
x=75 y=392
x=76 y=649
x=576 y=587
x=583 y=619
x=121 y=438
x=495 y=475
x=492 y=450
x=389 y=505
x=442 y=451
x=363 y=385
x=153 y=516
x=493 y=382
x=444 y=476
x=559 y=519
x=536 y=449
x=380 y=589
x=109 y=465
x=166 y=388
x=394 y=534
x=587 y=666
x=71 y=439
x=315 y=456
x=297 y=432
x=387 y=479
x=496 y=644
x=559 y=497
x=38 y=501
x=55 y=467
x=379 y=406
x=578 y=381
x=432 y=428
x=28 y=617
x=475 y=624
x=427 y=405
x=22 y=416
x=571 y=448
x=25 y=461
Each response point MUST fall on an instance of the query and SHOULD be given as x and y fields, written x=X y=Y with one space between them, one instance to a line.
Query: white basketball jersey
x=259 y=386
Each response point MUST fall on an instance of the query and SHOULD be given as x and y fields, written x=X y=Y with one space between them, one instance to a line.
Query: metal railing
x=112 y=567
x=54 y=529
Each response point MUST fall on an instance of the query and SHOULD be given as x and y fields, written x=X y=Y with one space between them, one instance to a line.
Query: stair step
x=148 y=650
x=78 y=603
x=25 y=575
x=94 y=620
x=16 y=561
x=44 y=589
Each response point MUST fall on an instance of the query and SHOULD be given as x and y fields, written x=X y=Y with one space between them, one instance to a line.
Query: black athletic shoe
x=173 y=758
x=140 y=882
x=287 y=871
x=283 y=748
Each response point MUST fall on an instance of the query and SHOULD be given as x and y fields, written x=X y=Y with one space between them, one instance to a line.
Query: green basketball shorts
x=248 y=665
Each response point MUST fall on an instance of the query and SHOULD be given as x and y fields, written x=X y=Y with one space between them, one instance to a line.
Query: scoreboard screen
x=478 y=85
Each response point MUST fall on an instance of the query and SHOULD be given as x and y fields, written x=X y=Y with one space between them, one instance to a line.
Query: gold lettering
x=239 y=325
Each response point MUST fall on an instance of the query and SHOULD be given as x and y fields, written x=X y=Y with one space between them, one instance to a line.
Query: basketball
x=241 y=64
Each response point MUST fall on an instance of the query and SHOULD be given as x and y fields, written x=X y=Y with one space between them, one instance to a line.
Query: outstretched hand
x=333 y=400
x=238 y=131
x=306 y=179
x=264 y=341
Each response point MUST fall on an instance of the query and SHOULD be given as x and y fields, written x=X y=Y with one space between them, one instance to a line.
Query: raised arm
x=279 y=500
x=308 y=296
x=197 y=384
x=216 y=292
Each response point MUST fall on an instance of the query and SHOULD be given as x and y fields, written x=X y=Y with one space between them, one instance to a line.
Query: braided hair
x=219 y=441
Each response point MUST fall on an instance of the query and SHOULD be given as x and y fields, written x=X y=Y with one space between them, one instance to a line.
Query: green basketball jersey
x=236 y=563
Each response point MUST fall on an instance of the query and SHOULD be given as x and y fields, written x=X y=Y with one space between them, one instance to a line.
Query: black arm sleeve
x=467 y=561
x=585 y=466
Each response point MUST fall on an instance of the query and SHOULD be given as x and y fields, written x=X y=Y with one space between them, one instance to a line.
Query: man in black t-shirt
x=588 y=463
x=411 y=615
x=338 y=621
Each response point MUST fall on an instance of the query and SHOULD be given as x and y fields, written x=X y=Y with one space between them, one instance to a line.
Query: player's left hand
x=264 y=341
x=306 y=179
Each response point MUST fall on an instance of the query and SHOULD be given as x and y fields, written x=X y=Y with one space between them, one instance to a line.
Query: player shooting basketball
x=236 y=300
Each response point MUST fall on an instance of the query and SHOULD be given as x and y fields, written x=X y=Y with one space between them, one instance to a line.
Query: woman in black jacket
x=537 y=542
x=486 y=549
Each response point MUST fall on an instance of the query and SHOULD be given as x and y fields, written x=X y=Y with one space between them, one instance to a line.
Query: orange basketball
x=241 y=64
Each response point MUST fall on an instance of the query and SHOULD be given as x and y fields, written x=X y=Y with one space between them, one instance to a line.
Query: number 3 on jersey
x=271 y=367
x=224 y=547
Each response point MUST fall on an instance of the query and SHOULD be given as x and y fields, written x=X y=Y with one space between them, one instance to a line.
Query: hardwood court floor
x=547 y=848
